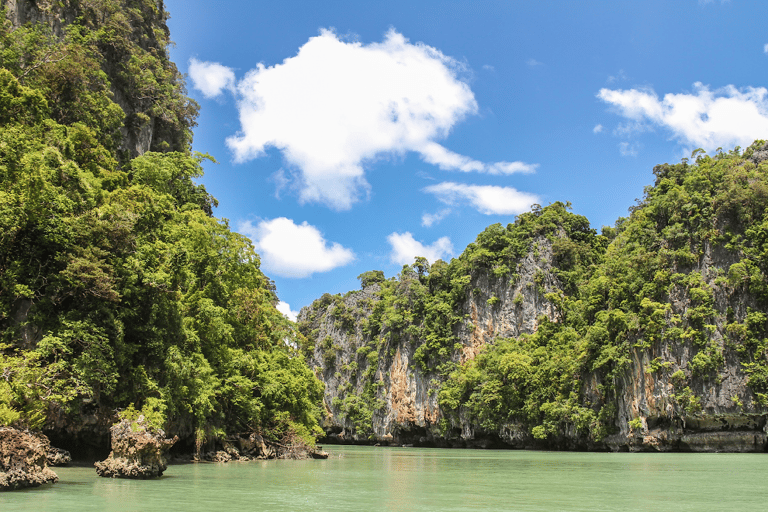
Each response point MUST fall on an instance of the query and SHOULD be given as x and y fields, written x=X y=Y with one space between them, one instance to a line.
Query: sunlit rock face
x=138 y=451
x=23 y=459
x=352 y=363
x=661 y=401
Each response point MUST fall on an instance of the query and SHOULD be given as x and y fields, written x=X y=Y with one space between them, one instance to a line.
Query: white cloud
x=534 y=63
x=597 y=129
x=708 y=119
x=435 y=154
x=487 y=199
x=211 y=78
x=620 y=76
x=488 y=67
x=405 y=248
x=285 y=309
x=337 y=106
x=765 y=48
x=629 y=149
x=291 y=250
x=430 y=219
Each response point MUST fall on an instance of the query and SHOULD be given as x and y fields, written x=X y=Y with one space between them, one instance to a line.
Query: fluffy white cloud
x=487 y=199
x=405 y=248
x=429 y=219
x=708 y=119
x=337 y=106
x=765 y=48
x=292 y=250
x=597 y=129
x=285 y=309
x=211 y=78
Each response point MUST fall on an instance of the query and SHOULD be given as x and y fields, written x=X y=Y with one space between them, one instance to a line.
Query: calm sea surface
x=369 y=478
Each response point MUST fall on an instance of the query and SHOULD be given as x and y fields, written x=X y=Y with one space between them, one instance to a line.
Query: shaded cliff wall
x=134 y=55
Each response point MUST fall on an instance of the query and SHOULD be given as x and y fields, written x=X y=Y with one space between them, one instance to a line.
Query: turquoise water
x=394 y=479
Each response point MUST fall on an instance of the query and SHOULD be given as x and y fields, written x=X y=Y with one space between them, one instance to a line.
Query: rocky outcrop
x=23 y=459
x=686 y=390
x=253 y=446
x=722 y=414
x=138 y=451
x=405 y=408
x=57 y=457
x=144 y=128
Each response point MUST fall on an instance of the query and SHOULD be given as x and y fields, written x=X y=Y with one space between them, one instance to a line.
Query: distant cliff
x=650 y=336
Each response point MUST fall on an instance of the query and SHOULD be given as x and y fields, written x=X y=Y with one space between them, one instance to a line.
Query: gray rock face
x=138 y=451
x=409 y=411
x=23 y=459
x=731 y=419
x=721 y=413
x=140 y=133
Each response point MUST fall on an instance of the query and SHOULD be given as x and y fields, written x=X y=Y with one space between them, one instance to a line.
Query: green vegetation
x=685 y=272
x=624 y=302
x=118 y=288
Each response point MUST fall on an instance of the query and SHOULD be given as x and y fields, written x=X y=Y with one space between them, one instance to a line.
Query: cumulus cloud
x=211 y=78
x=597 y=129
x=337 y=106
x=291 y=250
x=765 y=48
x=430 y=219
x=705 y=118
x=285 y=309
x=487 y=199
x=405 y=248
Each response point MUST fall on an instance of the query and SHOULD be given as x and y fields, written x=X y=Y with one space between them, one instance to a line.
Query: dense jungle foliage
x=700 y=229
x=118 y=288
x=686 y=268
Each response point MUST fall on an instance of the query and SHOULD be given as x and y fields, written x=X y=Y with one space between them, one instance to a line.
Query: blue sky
x=353 y=136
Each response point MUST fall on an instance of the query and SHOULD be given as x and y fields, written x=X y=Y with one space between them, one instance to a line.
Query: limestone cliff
x=378 y=389
x=142 y=80
x=549 y=336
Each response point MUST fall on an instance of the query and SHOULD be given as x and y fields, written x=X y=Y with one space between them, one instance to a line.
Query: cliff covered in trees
x=543 y=333
x=120 y=293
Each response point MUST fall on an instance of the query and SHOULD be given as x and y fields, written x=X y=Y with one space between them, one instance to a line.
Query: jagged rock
x=255 y=447
x=319 y=453
x=138 y=451
x=217 y=456
x=58 y=457
x=23 y=460
x=760 y=154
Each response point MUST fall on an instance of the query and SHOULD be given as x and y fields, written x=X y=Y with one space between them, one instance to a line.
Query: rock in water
x=138 y=451
x=23 y=460
x=58 y=457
